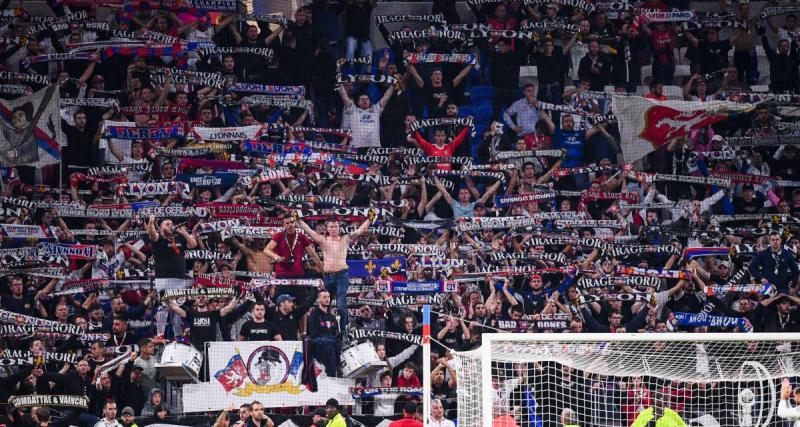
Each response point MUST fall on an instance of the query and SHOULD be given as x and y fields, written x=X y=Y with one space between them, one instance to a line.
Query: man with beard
x=203 y=321
x=323 y=330
x=258 y=329
x=127 y=417
x=257 y=416
x=334 y=269
x=169 y=248
x=287 y=247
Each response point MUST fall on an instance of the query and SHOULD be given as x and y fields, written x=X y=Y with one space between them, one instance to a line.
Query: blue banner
x=373 y=267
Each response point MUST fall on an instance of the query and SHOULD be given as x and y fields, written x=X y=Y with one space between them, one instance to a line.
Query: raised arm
x=386 y=96
x=361 y=229
x=176 y=308
x=151 y=229
x=345 y=98
x=311 y=233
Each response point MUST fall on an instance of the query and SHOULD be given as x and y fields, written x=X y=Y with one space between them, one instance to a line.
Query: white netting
x=609 y=381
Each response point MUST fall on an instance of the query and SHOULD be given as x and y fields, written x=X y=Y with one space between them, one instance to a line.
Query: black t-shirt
x=754 y=206
x=253 y=331
x=203 y=327
x=284 y=325
x=432 y=95
x=24 y=305
x=714 y=56
x=169 y=257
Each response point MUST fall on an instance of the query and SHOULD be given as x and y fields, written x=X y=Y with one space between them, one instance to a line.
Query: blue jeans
x=350 y=49
x=337 y=284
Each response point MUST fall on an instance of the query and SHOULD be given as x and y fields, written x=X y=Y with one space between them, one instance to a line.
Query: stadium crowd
x=335 y=188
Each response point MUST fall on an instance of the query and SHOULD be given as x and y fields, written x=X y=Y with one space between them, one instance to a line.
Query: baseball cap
x=332 y=402
x=127 y=411
x=725 y=264
x=747 y=187
x=285 y=297
x=717 y=137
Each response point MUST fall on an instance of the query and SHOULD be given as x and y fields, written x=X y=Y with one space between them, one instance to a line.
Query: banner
x=647 y=124
x=46 y=325
x=268 y=371
x=362 y=333
x=430 y=287
x=703 y=319
x=227 y=134
x=374 y=267
x=57 y=400
x=31 y=129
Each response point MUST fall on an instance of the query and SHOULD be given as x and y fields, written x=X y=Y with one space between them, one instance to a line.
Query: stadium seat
x=465 y=111
x=528 y=74
x=647 y=72
x=483 y=114
x=478 y=93
x=673 y=92
x=681 y=71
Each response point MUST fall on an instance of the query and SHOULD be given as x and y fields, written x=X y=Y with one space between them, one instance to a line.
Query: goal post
x=608 y=380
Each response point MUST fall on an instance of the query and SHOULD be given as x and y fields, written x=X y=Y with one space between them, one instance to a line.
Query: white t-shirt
x=364 y=124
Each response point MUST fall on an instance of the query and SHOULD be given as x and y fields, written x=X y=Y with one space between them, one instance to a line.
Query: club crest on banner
x=268 y=370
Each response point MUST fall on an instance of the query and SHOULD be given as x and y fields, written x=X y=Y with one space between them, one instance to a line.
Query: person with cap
x=285 y=316
x=127 y=417
x=131 y=392
x=775 y=265
x=408 y=420
x=257 y=328
x=334 y=415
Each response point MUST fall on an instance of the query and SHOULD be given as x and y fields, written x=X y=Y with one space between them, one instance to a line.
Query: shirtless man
x=334 y=267
x=257 y=260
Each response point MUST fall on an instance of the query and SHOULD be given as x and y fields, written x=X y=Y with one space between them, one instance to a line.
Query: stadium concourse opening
x=348 y=213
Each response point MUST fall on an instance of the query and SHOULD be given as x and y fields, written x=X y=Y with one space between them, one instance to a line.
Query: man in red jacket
x=440 y=147
x=408 y=419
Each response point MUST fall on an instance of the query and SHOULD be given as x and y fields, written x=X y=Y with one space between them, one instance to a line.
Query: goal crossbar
x=732 y=358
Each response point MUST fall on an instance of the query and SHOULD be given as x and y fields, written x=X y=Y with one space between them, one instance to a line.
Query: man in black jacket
x=775 y=265
x=323 y=329
x=783 y=65
x=76 y=381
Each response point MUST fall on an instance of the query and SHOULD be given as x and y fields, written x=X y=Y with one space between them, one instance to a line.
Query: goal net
x=542 y=380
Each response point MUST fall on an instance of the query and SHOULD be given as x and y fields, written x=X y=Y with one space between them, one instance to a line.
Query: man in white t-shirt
x=364 y=118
